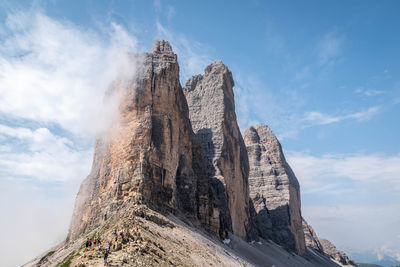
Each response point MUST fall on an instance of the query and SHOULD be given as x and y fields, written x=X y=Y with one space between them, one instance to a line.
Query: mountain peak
x=175 y=161
x=162 y=46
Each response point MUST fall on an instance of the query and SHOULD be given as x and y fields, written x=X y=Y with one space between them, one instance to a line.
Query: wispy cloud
x=369 y=92
x=170 y=12
x=53 y=75
x=65 y=70
x=40 y=155
x=157 y=5
x=330 y=48
x=193 y=56
x=318 y=118
x=369 y=170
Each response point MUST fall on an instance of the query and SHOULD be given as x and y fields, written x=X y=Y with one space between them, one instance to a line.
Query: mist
x=53 y=80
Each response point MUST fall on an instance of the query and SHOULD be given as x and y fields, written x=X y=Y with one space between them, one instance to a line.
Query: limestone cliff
x=150 y=153
x=274 y=190
x=212 y=114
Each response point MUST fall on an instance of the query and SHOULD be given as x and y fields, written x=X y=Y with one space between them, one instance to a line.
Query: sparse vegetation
x=67 y=261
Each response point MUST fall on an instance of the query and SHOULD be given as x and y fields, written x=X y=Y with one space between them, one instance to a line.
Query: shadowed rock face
x=274 y=190
x=150 y=153
x=212 y=114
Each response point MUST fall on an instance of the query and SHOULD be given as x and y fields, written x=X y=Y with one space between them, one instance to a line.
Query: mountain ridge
x=175 y=161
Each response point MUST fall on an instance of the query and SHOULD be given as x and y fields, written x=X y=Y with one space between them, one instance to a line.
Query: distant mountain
x=372 y=258
x=368 y=265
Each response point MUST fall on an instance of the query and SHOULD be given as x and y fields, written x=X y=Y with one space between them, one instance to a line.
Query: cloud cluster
x=54 y=72
x=350 y=193
x=376 y=171
x=41 y=155
x=53 y=76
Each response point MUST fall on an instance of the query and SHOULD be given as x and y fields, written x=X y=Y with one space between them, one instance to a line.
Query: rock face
x=150 y=153
x=337 y=255
x=311 y=237
x=212 y=114
x=274 y=190
x=324 y=246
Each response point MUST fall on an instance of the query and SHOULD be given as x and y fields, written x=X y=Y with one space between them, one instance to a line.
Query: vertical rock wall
x=274 y=190
x=150 y=153
x=212 y=114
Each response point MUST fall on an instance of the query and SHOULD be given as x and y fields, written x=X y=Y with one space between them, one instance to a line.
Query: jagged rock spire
x=212 y=113
x=274 y=190
x=162 y=46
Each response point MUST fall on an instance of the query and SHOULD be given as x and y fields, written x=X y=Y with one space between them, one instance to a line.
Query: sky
x=324 y=75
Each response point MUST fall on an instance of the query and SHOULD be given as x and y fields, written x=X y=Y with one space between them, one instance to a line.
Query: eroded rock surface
x=311 y=237
x=150 y=153
x=212 y=114
x=324 y=246
x=336 y=254
x=274 y=190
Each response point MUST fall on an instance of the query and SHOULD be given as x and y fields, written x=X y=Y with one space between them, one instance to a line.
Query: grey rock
x=212 y=114
x=274 y=190
x=336 y=254
x=324 y=246
x=311 y=237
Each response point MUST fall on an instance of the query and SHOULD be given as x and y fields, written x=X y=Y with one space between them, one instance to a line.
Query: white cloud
x=373 y=92
x=53 y=76
x=318 y=118
x=65 y=70
x=44 y=156
x=356 y=228
x=380 y=172
x=369 y=92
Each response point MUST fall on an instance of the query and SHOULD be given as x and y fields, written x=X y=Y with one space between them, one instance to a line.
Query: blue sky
x=324 y=75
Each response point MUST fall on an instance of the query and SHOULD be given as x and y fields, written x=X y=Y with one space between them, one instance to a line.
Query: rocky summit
x=174 y=183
